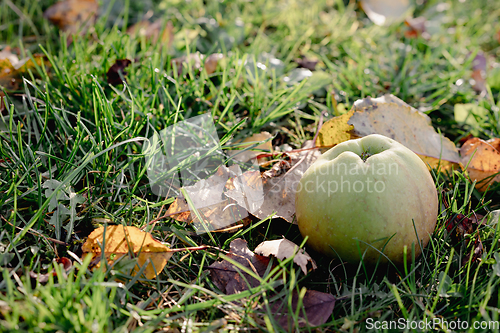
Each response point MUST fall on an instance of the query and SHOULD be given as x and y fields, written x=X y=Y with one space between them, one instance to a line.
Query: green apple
x=367 y=196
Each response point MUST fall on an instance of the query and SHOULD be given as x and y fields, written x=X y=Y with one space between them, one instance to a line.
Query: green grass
x=67 y=125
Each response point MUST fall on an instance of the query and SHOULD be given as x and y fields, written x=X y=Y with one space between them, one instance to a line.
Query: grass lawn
x=64 y=128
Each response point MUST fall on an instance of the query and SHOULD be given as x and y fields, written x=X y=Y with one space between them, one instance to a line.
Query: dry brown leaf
x=12 y=69
x=305 y=62
x=180 y=210
x=119 y=241
x=478 y=75
x=318 y=308
x=283 y=248
x=69 y=15
x=385 y=12
x=209 y=201
x=406 y=125
x=230 y=279
x=151 y=31
x=482 y=159
x=117 y=71
x=278 y=192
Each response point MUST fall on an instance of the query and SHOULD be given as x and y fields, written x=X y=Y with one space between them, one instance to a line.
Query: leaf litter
x=73 y=15
x=316 y=306
x=390 y=116
x=282 y=249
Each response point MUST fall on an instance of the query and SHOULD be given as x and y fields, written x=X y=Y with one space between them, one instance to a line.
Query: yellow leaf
x=121 y=240
x=335 y=131
x=12 y=69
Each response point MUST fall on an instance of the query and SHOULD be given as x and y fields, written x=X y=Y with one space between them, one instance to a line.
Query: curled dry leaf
x=318 y=308
x=12 y=69
x=156 y=32
x=230 y=279
x=283 y=248
x=279 y=192
x=385 y=12
x=118 y=241
x=179 y=210
x=69 y=15
x=217 y=211
x=43 y=278
x=482 y=159
x=304 y=62
x=460 y=227
x=117 y=71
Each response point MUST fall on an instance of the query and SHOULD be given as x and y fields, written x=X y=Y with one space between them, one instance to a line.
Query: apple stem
x=364 y=155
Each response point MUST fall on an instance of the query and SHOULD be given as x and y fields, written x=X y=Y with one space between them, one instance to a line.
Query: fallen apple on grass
x=367 y=196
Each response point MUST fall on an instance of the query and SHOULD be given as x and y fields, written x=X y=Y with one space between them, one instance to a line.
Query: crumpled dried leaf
x=12 y=69
x=119 y=241
x=69 y=15
x=180 y=210
x=318 y=308
x=279 y=192
x=228 y=278
x=395 y=119
x=43 y=278
x=152 y=30
x=117 y=69
x=305 y=62
x=217 y=211
x=385 y=12
x=283 y=248
x=482 y=159
x=460 y=227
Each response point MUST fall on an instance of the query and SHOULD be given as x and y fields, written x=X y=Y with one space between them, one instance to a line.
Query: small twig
x=162 y=217
x=36 y=233
x=196 y=248
x=292 y=151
